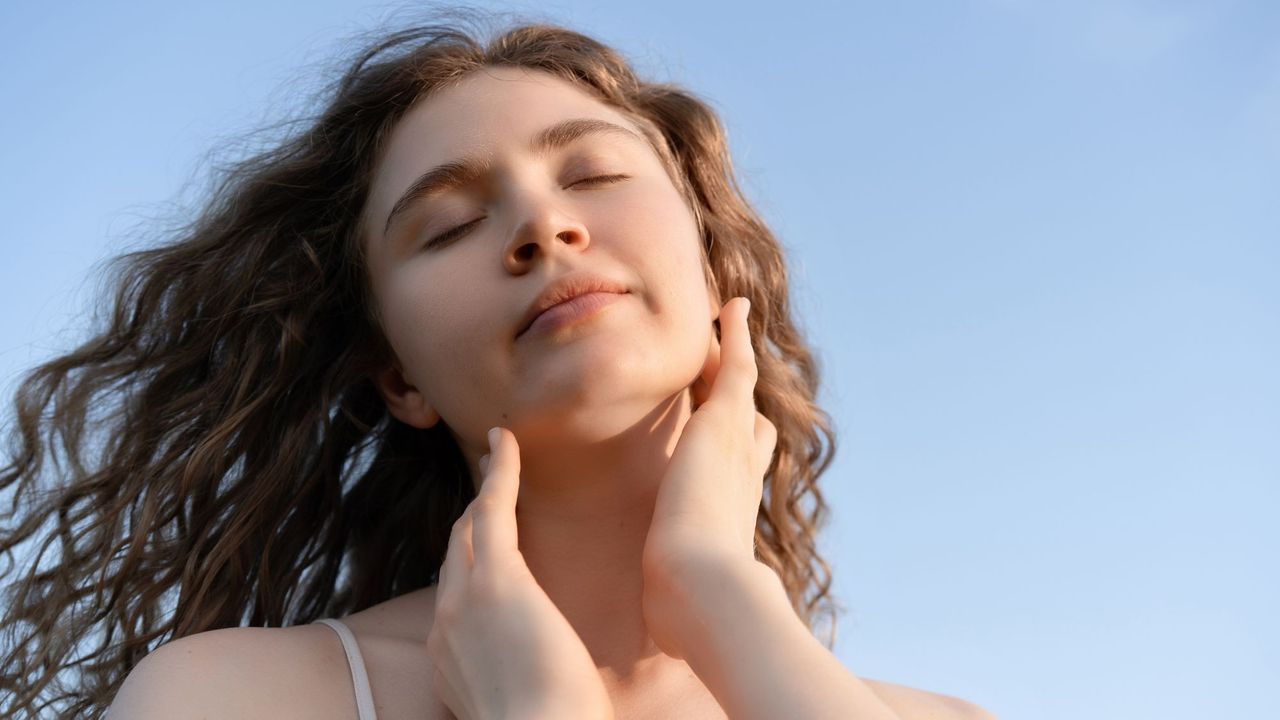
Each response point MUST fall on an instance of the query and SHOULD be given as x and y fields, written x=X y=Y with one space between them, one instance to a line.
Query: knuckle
x=484 y=505
x=437 y=647
x=459 y=524
x=446 y=614
x=496 y=580
x=485 y=586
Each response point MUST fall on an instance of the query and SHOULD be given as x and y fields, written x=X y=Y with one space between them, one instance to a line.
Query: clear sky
x=1036 y=245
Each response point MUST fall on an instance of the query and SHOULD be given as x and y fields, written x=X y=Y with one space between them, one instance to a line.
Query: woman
x=490 y=370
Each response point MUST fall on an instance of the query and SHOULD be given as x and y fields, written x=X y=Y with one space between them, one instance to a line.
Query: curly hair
x=218 y=454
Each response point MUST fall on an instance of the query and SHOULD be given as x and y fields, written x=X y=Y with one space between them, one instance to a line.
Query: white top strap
x=359 y=677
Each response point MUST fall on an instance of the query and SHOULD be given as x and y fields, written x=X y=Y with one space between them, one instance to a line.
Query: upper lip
x=567 y=288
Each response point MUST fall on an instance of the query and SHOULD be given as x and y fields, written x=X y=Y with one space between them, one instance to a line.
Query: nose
x=544 y=227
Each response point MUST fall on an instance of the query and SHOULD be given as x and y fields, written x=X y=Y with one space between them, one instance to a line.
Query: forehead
x=499 y=98
x=487 y=111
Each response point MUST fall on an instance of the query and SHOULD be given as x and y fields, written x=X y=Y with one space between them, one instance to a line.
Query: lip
x=566 y=289
x=571 y=311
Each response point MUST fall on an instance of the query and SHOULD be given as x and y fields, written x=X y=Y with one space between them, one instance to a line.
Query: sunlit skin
x=607 y=560
x=597 y=407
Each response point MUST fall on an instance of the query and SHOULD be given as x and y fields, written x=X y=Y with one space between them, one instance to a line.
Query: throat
x=672 y=690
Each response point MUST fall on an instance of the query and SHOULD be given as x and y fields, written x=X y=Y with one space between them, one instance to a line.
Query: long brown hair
x=218 y=455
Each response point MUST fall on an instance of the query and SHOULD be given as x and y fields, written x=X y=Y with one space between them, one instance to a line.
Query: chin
x=589 y=423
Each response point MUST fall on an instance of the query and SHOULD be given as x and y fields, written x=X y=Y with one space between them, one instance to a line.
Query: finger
x=766 y=442
x=457 y=558
x=495 y=516
x=736 y=377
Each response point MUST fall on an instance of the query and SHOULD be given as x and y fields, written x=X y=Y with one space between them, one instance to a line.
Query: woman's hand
x=501 y=648
x=705 y=513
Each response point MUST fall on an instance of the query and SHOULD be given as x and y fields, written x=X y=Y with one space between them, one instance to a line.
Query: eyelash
x=463 y=229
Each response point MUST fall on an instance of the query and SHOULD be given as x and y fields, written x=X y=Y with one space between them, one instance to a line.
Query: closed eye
x=461 y=230
x=602 y=179
x=452 y=234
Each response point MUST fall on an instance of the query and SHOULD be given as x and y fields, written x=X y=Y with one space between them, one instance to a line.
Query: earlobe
x=404 y=401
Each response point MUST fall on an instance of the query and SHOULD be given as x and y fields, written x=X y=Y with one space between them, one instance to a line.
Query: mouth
x=566 y=289
x=570 y=312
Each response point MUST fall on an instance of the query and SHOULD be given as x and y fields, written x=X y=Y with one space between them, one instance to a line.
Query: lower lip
x=571 y=311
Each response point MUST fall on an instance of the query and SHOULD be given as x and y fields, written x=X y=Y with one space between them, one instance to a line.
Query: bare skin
x=598 y=407
x=301 y=672
x=667 y=691
x=672 y=694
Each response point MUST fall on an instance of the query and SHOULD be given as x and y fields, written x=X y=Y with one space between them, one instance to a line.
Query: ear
x=404 y=401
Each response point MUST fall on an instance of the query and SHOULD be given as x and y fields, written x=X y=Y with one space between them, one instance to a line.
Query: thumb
x=494 y=519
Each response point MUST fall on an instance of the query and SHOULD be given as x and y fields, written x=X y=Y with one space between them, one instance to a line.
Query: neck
x=583 y=515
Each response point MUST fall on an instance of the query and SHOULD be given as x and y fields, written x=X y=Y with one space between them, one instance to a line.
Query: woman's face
x=527 y=217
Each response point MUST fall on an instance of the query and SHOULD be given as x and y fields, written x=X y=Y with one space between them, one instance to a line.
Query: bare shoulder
x=295 y=672
x=915 y=704
x=393 y=637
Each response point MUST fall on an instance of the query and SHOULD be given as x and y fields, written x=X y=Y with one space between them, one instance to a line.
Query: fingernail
x=493 y=438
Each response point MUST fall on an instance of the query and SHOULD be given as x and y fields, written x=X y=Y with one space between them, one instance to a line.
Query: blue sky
x=1036 y=246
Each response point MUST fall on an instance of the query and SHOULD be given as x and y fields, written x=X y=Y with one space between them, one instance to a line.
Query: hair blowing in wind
x=216 y=455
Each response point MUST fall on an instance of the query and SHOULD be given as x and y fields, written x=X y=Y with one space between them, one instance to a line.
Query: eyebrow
x=460 y=172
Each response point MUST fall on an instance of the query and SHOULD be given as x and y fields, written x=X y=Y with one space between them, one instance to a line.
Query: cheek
x=432 y=319
x=674 y=260
x=662 y=236
x=666 y=253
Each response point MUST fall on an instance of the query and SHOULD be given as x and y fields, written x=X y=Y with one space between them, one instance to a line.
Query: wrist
x=590 y=704
x=722 y=600
x=713 y=582
x=744 y=635
x=695 y=572
x=559 y=712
